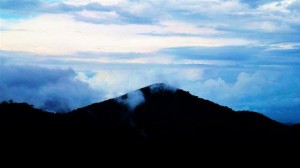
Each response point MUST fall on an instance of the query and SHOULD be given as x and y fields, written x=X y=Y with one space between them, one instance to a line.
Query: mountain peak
x=159 y=84
x=158 y=87
x=137 y=97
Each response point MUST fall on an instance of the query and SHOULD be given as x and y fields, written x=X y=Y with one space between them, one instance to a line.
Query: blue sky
x=239 y=53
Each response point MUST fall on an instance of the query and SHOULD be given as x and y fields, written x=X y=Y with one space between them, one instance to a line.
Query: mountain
x=157 y=114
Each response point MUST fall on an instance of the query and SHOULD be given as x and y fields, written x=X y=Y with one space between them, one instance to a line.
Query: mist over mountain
x=157 y=114
x=63 y=90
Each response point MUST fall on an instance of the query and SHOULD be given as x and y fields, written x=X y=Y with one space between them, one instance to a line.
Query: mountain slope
x=154 y=114
x=170 y=115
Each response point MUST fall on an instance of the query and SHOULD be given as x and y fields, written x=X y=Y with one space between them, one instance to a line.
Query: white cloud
x=278 y=6
x=283 y=46
x=117 y=28
x=191 y=74
x=100 y=15
x=118 y=82
x=132 y=99
x=169 y=26
x=61 y=34
x=268 y=26
x=102 y=2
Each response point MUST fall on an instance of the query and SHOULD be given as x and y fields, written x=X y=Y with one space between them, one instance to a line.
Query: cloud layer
x=119 y=26
x=272 y=92
x=54 y=90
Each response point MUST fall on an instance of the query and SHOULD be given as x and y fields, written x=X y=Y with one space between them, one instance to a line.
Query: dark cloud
x=51 y=89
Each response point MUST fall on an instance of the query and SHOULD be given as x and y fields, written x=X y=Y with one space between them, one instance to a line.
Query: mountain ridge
x=154 y=114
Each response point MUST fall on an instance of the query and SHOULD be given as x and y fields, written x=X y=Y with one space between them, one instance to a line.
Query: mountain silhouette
x=157 y=114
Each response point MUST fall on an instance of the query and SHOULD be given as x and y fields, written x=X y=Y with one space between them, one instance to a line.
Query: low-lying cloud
x=132 y=99
x=273 y=91
x=55 y=90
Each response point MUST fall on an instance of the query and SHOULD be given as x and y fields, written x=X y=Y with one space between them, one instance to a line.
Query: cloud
x=278 y=6
x=119 y=26
x=295 y=5
x=132 y=99
x=229 y=53
x=97 y=16
x=50 y=89
x=102 y=2
x=269 y=90
x=272 y=91
x=47 y=37
x=268 y=26
x=33 y=8
x=284 y=46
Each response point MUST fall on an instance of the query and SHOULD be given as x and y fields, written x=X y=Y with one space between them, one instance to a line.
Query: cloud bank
x=55 y=90
x=270 y=91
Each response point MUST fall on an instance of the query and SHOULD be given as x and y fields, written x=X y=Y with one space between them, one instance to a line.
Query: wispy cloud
x=119 y=26
x=51 y=38
x=284 y=46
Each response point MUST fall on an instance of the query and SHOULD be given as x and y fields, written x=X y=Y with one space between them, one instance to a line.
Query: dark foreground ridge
x=157 y=114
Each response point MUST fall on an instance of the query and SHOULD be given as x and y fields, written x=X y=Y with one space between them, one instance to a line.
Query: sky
x=60 y=55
